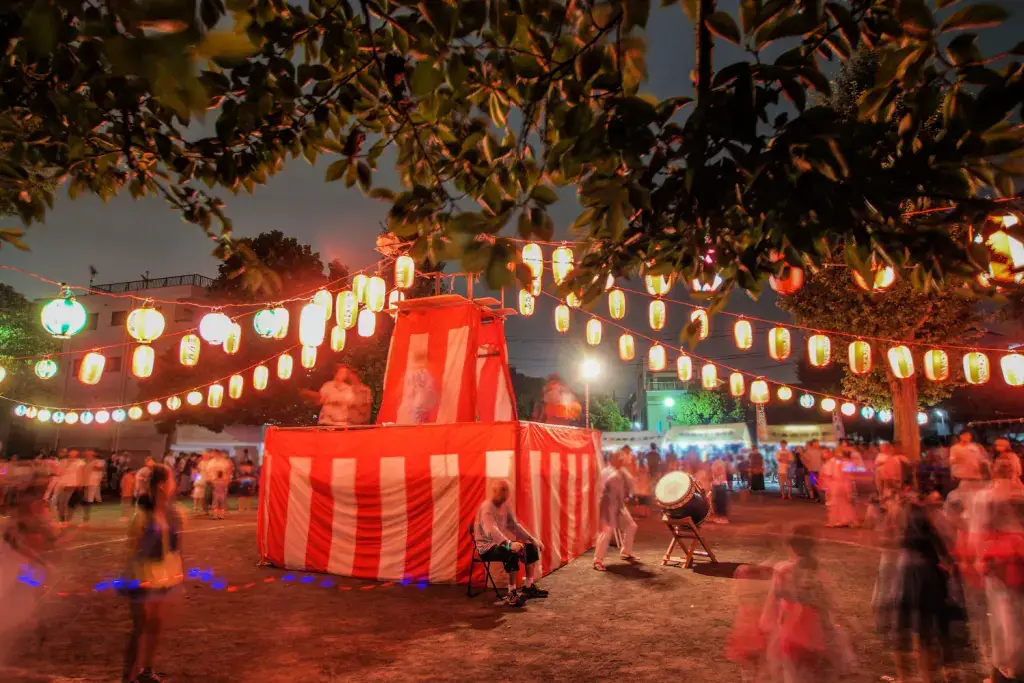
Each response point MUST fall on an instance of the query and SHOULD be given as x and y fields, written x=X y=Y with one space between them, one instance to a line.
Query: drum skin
x=680 y=497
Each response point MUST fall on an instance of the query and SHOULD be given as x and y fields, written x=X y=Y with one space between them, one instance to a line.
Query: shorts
x=509 y=559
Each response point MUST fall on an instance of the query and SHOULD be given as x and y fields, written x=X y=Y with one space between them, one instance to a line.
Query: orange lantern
x=901 y=361
x=656 y=360
x=936 y=365
x=533 y=257
x=346 y=309
x=700 y=319
x=860 y=357
x=881 y=279
x=405 y=271
x=743 y=333
x=572 y=300
x=656 y=314
x=367 y=323
x=561 y=264
x=976 y=368
x=684 y=368
x=135 y=413
x=617 y=304
x=784 y=393
x=359 y=286
x=188 y=350
x=828 y=405
x=376 y=292
x=709 y=376
x=235 y=386
x=780 y=343
x=233 y=340
x=562 y=318
x=657 y=285
x=759 y=392
x=91 y=369
x=284 y=366
x=308 y=357
x=526 y=303
x=142 y=360
x=215 y=395
x=627 y=347
x=788 y=281
x=819 y=350
x=323 y=299
x=1012 y=365
x=312 y=326
x=593 y=331
x=737 y=385
x=259 y=377
x=337 y=338
x=145 y=324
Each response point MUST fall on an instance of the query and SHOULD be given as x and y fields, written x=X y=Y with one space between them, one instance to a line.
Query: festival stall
x=685 y=437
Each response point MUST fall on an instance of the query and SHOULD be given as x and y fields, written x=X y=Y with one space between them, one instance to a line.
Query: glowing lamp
x=87 y=418
x=20 y=411
x=784 y=393
x=572 y=300
x=215 y=395
x=193 y=398
x=145 y=324
x=706 y=287
x=91 y=369
x=324 y=300
x=44 y=415
x=405 y=271
x=31 y=412
x=860 y=357
x=780 y=343
x=593 y=331
x=936 y=365
x=188 y=350
x=233 y=340
x=759 y=392
x=699 y=318
x=848 y=409
x=46 y=369
x=135 y=413
x=609 y=282
x=376 y=290
x=174 y=403
x=709 y=376
x=656 y=315
x=284 y=366
x=657 y=285
x=367 y=323
x=338 y=338
x=976 y=368
x=71 y=418
x=828 y=405
x=259 y=377
x=64 y=317
x=819 y=350
x=533 y=257
x=656 y=359
x=867 y=412
x=617 y=304
x=1012 y=365
x=806 y=401
x=562 y=318
x=235 y=386
x=142 y=361
x=312 y=327
x=684 y=368
x=102 y=417
x=346 y=309
x=265 y=322
x=789 y=281
x=359 y=286
x=527 y=303
x=737 y=385
x=561 y=264
x=881 y=279
x=58 y=417
x=743 y=334
x=922 y=417
x=308 y=357
x=214 y=328
x=154 y=407
x=627 y=347
x=395 y=297
x=1010 y=250
x=901 y=361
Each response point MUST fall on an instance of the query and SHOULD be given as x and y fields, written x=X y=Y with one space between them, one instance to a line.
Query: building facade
x=657 y=394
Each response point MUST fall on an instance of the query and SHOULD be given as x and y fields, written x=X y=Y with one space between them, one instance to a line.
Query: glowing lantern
x=572 y=300
x=312 y=328
x=20 y=411
x=259 y=377
x=1012 y=365
x=848 y=409
x=617 y=304
x=87 y=418
x=284 y=366
x=881 y=279
x=58 y=417
x=627 y=347
x=1011 y=252
x=235 y=386
x=656 y=359
x=737 y=385
x=174 y=403
x=706 y=287
x=188 y=350
x=142 y=361
x=901 y=361
x=102 y=417
x=784 y=393
x=367 y=323
x=395 y=297
x=337 y=338
x=867 y=412
x=807 y=401
x=609 y=282
x=405 y=272
x=562 y=318
x=46 y=369
x=593 y=331
x=215 y=395
x=684 y=368
x=271 y=323
x=699 y=318
x=215 y=328
x=657 y=285
x=561 y=264
x=709 y=376
x=656 y=314
x=780 y=343
x=31 y=412
x=936 y=365
x=759 y=392
x=860 y=357
x=527 y=303
x=134 y=413
x=828 y=405
x=976 y=368
x=44 y=415
x=91 y=369
x=64 y=317
x=193 y=398
x=743 y=333
x=788 y=281
x=324 y=300
x=922 y=417
x=308 y=357
x=145 y=324
x=71 y=418
x=533 y=257
x=154 y=407
x=346 y=309
x=359 y=286
x=234 y=339
x=819 y=350
x=376 y=289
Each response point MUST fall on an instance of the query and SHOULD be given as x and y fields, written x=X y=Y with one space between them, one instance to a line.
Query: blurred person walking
x=967 y=460
x=756 y=470
x=838 y=484
x=812 y=459
x=614 y=515
x=784 y=458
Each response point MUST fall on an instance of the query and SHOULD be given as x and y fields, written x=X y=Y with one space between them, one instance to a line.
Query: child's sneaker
x=514 y=598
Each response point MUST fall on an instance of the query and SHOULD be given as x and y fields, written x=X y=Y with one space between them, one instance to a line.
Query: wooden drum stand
x=685 y=535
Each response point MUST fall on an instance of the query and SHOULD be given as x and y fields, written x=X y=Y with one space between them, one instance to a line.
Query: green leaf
x=724 y=26
x=226 y=45
x=975 y=16
x=425 y=79
x=544 y=195
x=336 y=170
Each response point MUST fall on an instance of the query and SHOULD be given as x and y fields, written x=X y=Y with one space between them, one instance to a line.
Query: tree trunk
x=906 y=431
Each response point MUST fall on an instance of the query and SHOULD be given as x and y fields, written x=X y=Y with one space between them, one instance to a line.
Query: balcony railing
x=193 y=280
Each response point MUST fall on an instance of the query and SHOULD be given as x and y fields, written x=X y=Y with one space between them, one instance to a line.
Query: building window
x=93 y=322
x=117 y=318
x=183 y=314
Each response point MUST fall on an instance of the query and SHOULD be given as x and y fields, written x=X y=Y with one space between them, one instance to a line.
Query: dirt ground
x=644 y=622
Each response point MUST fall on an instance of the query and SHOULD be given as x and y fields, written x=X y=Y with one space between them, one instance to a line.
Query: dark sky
x=124 y=239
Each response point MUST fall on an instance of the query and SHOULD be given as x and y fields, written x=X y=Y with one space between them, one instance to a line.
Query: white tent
x=698 y=436
x=612 y=441
x=799 y=435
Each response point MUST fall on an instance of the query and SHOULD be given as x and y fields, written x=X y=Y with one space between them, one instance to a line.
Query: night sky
x=125 y=239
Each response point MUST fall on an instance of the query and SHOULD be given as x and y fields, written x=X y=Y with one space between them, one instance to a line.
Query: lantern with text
x=848 y=409
x=58 y=417
x=885 y=416
x=656 y=315
x=142 y=361
x=46 y=369
x=699 y=319
x=828 y=405
x=31 y=412
x=737 y=385
x=901 y=361
x=867 y=412
x=627 y=347
x=656 y=358
x=594 y=331
x=346 y=309
x=405 y=271
x=780 y=343
x=819 y=350
x=806 y=401
x=259 y=377
x=561 y=264
x=617 y=304
x=236 y=385
x=325 y=301
x=366 y=323
x=193 y=398
x=215 y=395
x=135 y=413
x=743 y=334
x=268 y=322
x=64 y=317
x=657 y=285
x=976 y=368
x=860 y=357
x=759 y=392
x=308 y=357
x=145 y=324
x=709 y=376
x=376 y=291
x=87 y=418
x=527 y=303
x=788 y=281
x=154 y=407
x=684 y=368
x=572 y=300
x=312 y=327
x=562 y=318
x=284 y=366
x=936 y=365
x=359 y=283
x=1012 y=365
x=234 y=339
x=784 y=393
x=215 y=327
x=91 y=369
x=188 y=350
x=337 y=338
x=174 y=402
x=882 y=278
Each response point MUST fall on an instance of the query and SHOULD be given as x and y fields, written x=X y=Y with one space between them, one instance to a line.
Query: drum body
x=681 y=497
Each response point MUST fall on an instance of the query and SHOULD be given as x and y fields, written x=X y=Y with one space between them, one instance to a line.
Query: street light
x=590 y=369
x=669 y=402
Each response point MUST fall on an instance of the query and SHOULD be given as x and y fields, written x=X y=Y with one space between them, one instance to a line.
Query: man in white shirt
x=784 y=458
x=344 y=401
x=812 y=463
x=967 y=462
x=501 y=538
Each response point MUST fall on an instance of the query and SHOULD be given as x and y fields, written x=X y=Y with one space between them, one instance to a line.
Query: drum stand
x=684 y=532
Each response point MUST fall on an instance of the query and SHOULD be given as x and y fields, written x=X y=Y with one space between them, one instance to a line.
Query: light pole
x=590 y=369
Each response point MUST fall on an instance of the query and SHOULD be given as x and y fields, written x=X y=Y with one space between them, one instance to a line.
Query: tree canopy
x=21 y=334
x=606 y=416
x=706 y=407
x=491 y=107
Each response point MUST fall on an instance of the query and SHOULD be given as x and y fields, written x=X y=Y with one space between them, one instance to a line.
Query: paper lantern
x=657 y=285
x=46 y=369
x=395 y=297
x=284 y=366
x=338 y=338
x=860 y=357
x=922 y=417
x=609 y=282
x=806 y=401
x=976 y=368
x=656 y=359
x=617 y=304
x=193 y=398
x=656 y=314
x=561 y=264
x=71 y=418
x=174 y=403
x=308 y=357
x=759 y=392
x=346 y=309
x=819 y=350
x=573 y=301
x=789 y=281
x=142 y=361
x=1006 y=268
x=936 y=365
x=145 y=324
x=1012 y=365
x=58 y=417
x=102 y=417
x=135 y=413
x=867 y=412
x=737 y=385
x=848 y=409
x=215 y=395
x=784 y=393
x=901 y=361
x=684 y=368
x=780 y=343
x=31 y=412
x=743 y=334
x=709 y=376
x=533 y=258
x=627 y=347
x=271 y=323
x=376 y=290
x=87 y=418
x=236 y=385
x=20 y=411
x=367 y=323
x=594 y=331
x=259 y=377
x=154 y=407
x=325 y=301
x=188 y=350
x=359 y=285
x=91 y=369
x=527 y=303
x=234 y=339
x=405 y=271
x=706 y=287
x=64 y=317
x=44 y=415
x=215 y=327
x=828 y=405
x=312 y=327
x=881 y=279
x=562 y=318
x=699 y=318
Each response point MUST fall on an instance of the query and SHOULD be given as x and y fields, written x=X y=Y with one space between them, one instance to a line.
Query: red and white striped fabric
x=394 y=503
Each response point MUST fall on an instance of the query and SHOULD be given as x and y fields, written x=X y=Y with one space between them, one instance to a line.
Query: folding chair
x=475 y=559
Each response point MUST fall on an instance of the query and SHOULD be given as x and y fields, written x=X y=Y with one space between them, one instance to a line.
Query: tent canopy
x=698 y=436
x=801 y=434
x=611 y=441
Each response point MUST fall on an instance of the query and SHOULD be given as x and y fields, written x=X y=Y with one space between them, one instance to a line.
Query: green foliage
x=22 y=334
x=606 y=416
x=706 y=407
